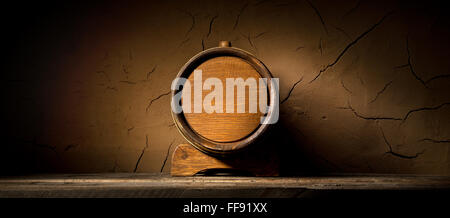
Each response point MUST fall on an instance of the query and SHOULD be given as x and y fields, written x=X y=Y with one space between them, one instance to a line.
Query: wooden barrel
x=222 y=134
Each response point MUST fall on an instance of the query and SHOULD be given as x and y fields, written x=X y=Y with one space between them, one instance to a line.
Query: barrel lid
x=225 y=124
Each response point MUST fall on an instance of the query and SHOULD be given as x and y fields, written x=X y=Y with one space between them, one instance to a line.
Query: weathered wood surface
x=150 y=185
x=187 y=161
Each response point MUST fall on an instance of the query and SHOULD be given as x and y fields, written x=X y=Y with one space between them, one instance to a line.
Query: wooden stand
x=188 y=161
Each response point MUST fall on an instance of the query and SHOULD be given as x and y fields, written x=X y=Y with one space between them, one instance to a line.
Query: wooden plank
x=187 y=161
x=150 y=185
x=351 y=182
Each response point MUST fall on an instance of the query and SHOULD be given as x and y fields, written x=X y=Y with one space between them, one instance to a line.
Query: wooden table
x=151 y=185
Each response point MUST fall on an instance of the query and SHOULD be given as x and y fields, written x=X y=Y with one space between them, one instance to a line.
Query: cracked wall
x=365 y=85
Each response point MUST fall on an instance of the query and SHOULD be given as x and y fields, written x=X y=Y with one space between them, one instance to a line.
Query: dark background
x=78 y=78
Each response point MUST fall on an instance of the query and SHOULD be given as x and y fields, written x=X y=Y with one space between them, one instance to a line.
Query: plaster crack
x=203 y=44
x=239 y=16
x=299 y=47
x=346 y=89
x=349 y=107
x=129 y=130
x=125 y=69
x=290 y=91
x=142 y=154
x=395 y=153
x=424 y=109
x=192 y=24
x=381 y=91
x=151 y=71
x=320 y=47
x=437 y=77
x=167 y=156
x=350 y=45
x=211 y=25
x=183 y=42
x=128 y=82
x=112 y=88
x=250 y=41
x=353 y=9
x=343 y=32
x=414 y=73
x=319 y=15
x=435 y=141
x=70 y=146
x=155 y=99
x=411 y=68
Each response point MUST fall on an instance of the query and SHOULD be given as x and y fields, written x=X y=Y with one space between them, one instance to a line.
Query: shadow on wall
x=364 y=84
